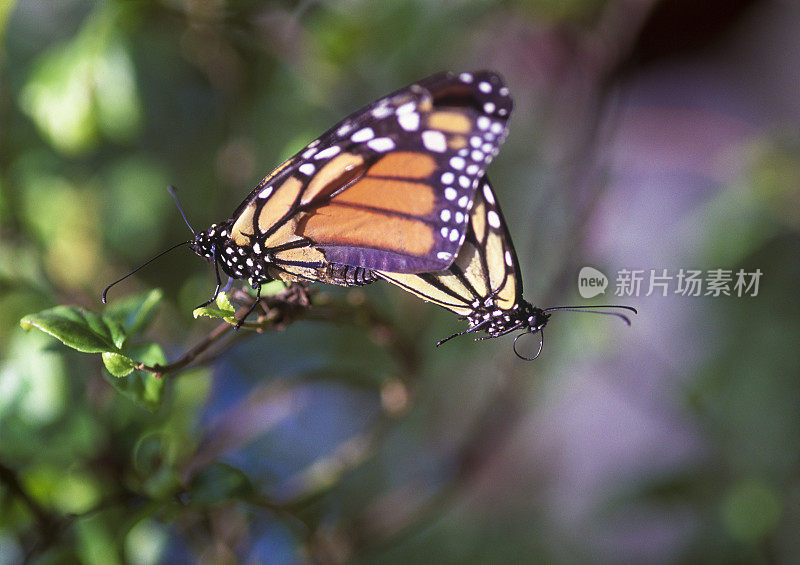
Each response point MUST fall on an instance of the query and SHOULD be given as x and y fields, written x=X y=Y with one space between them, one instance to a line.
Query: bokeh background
x=647 y=135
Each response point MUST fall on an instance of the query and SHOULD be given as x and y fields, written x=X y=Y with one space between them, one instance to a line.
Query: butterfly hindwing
x=389 y=188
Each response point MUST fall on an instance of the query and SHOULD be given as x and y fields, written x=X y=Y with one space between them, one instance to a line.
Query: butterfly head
x=237 y=261
x=215 y=244
x=209 y=242
x=488 y=316
x=532 y=318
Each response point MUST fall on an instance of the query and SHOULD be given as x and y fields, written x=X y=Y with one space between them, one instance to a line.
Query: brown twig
x=185 y=359
x=279 y=310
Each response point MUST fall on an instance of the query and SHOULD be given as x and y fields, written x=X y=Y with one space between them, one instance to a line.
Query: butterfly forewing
x=485 y=269
x=389 y=188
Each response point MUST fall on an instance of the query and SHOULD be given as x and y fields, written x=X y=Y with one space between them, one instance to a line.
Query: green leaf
x=79 y=329
x=85 y=87
x=89 y=332
x=144 y=388
x=117 y=364
x=222 y=309
x=136 y=312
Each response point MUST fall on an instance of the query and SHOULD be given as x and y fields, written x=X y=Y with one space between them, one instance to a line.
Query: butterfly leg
x=241 y=320
x=219 y=281
x=467 y=331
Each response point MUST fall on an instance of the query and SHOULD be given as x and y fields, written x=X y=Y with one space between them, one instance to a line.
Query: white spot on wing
x=450 y=193
x=381 y=144
x=409 y=122
x=381 y=112
x=493 y=219
x=457 y=163
x=362 y=135
x=265 y=192
x=307 y=169
x=406 y=108
x=434 y=141
x=487 y=194
x=329 y=152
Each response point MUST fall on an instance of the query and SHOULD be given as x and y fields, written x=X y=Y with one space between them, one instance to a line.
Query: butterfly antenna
x=594 y=310
x=174 y=192
x=541 y=345
x=140 y=267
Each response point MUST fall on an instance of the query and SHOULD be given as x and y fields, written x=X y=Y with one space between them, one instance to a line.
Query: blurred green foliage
x=348 y=436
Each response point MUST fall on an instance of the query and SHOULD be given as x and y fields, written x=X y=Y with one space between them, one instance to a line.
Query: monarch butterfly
x=389 y=188
x=483 y=285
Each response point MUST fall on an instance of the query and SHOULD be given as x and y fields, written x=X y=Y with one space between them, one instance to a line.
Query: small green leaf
x=224 y=303
x=144 y=388
x=117 y=364
x=273 y=287
x=79 y=329
x=136 y=312
x=223 y=309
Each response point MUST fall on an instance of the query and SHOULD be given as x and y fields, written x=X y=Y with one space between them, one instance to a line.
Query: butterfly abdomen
x=346 y=275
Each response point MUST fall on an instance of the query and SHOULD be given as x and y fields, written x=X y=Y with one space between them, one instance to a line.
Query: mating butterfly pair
x=396 y=191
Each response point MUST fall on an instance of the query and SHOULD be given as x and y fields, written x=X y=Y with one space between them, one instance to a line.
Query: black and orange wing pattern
x=483 y=284
x=389 y=188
